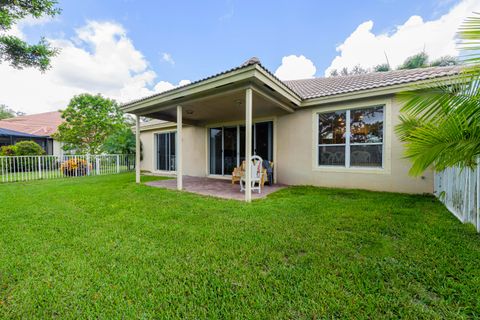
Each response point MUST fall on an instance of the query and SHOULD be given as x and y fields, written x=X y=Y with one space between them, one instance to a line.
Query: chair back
x=256 y=167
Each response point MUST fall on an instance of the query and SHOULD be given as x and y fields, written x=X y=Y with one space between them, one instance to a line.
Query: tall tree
x=419 y=60
x=382 y=67
x=441 y=121
x=6 y=112
x=89 y=121
x=13 y=49
x=357 y=69
x=121 y=142
x=445 y=61
x=334 y=73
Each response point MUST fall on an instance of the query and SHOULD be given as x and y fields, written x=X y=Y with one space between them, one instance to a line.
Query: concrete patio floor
x=219 y=188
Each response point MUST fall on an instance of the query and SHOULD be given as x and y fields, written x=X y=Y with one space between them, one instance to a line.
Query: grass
x=103 y=247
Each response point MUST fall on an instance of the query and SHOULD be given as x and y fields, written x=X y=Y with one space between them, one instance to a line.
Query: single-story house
x=35 y=127
x=332 y=132
x=10 y=137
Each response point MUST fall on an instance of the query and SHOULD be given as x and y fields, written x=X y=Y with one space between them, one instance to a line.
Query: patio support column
x=137 y=149
x=178 y=149
x=248 y=144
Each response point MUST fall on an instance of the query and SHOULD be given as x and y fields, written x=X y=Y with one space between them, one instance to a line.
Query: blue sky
x=204 y=37
x=127 y=49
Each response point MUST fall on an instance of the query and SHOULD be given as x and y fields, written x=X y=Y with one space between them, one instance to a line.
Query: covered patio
x=237 y=98
x=219 y=188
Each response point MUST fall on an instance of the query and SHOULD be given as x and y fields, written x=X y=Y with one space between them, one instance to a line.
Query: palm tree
x=440 y=124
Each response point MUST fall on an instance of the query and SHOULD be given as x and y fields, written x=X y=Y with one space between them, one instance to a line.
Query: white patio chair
x=361 y=157
x=256 y=174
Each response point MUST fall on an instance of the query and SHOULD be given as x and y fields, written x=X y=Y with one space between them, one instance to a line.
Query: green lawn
x=103 y=247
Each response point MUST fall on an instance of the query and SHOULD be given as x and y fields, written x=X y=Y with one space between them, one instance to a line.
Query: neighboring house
x=332 y=132
x=36 y=127
x=10 y=137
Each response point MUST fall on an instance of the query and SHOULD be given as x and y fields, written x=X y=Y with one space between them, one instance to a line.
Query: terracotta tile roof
x=322 y=87
x=41 y=124
x=328 y=86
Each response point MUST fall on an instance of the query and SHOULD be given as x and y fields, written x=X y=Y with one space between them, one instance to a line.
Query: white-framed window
x=165 y=144
x=351 y=138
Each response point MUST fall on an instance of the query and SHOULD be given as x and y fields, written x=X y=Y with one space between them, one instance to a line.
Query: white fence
x=459 y=190
x=25 y=168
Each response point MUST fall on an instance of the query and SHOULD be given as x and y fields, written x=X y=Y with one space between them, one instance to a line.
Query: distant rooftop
x=41 y=124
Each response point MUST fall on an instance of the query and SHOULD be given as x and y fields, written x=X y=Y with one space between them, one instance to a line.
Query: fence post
x=88 y=164
x=477 y=205
x=3 y=171
x=39 y=167
x=118 y=163
x=97 y=165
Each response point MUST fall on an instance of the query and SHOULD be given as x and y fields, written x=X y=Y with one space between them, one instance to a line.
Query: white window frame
x=347 y=145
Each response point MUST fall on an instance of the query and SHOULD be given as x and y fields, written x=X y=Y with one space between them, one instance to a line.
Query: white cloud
x=296 y=67
x=167 y=57
x=165 y=85
x=436 y=37
x=99 y=59
x=184 y=82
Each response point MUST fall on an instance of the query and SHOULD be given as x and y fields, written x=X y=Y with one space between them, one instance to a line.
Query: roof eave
x=276 y=84
x=245 y=74
x=149 y=127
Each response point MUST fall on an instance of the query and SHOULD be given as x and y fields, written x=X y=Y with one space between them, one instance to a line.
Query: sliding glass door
x=229 y=149
x=165 y=151
x=263 y=140
x=216 y=150
x=227 y=146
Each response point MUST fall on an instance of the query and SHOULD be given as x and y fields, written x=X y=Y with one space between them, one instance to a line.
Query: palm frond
x=459 y=94
x=441 y=122
x=469 y=34
x=455 y=141
x=408 y=125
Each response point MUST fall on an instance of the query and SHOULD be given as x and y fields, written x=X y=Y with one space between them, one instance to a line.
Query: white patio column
x=137 y=149
x=248 y=145
x=178 y=149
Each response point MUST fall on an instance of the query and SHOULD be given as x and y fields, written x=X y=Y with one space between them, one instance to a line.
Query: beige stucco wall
x=194 y=159
x=297 y=154
x=57 y=148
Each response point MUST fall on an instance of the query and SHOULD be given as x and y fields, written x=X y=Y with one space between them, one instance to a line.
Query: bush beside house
x=22 y=148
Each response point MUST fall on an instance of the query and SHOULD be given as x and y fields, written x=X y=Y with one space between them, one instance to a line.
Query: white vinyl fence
x=25 y=168
x=459 y=190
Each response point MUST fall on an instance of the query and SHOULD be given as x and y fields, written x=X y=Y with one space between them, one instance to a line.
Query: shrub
x=22 y=148
x=75 y=167
x=28 y=148
x=8 y=151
